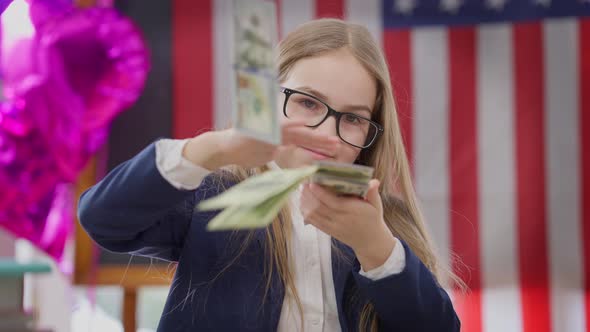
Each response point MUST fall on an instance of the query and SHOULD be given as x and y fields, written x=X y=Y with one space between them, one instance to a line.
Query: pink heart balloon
x=67 y=73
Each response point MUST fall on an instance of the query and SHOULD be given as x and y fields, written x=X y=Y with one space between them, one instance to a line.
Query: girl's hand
x=215 y=149
x=356 y=222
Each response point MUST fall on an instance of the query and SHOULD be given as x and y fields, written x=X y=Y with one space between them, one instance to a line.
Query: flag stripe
x=561 y=146
x=463 y=176
x=222 y=62
x=431 y=152
x=368 y=14
x=192 y=66
x=279 y=4
x=495 y=118
x=584 y=150
x=329 y=8
x=293 y=13
x=397 y=48
x=532 y=236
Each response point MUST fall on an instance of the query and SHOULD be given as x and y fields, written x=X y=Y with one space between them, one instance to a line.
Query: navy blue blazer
x=135 y=210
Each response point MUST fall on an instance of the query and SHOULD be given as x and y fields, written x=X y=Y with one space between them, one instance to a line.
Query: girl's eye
x=352 y=119
x=308 y=103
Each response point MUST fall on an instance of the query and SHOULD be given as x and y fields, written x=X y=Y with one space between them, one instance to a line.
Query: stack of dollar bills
x=256 y=201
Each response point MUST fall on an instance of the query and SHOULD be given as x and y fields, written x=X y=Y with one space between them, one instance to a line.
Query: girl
x=327 y=263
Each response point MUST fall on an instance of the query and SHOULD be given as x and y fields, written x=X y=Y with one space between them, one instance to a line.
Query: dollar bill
x=258 y=189
x=342 y=186
x=256 y=201
x=254 y=76
x=241 y=217
x=255 y=110
x=345 y=170
x=255 y=31
x=343 y=178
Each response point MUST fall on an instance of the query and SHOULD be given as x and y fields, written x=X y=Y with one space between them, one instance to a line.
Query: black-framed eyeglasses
x=353 y=129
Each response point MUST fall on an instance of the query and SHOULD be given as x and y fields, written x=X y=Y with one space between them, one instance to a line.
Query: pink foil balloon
x=67 y=73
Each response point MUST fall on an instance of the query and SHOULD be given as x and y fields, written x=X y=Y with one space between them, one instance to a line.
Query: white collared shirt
x=310 y=247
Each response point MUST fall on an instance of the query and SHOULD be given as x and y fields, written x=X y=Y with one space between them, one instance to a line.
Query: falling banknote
x=256 y=201
x=254 y=75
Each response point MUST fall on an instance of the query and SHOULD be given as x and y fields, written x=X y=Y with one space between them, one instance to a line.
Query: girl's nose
x=328 y=127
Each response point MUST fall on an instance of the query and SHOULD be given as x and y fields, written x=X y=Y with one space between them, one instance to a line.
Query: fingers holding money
x=315 y=212
x=330 y=200
x=350 y=219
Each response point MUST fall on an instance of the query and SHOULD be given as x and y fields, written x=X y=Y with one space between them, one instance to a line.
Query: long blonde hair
x=387 y=156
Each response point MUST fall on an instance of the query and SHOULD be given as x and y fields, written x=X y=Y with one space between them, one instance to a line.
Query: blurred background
x=493 y=97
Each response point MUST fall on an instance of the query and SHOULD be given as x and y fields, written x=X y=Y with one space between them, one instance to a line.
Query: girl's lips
x=317 y=155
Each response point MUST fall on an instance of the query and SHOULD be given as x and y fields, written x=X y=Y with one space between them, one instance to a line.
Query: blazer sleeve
x=411 y=300
x=135 y=210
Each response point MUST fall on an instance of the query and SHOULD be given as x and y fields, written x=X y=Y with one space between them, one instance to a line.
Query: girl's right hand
x=216 y=149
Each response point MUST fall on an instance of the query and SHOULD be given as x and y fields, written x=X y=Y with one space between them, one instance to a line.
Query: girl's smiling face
x=338 y=79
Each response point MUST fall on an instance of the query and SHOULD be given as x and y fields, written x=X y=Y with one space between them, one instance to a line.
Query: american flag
x=494 y=101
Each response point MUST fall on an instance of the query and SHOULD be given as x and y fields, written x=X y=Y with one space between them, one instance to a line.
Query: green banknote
x=258 y=189
x=345 y=179
x=239 y=217
x=254 y=35
x=256 y=201
x=345 y=170
x=341 y=185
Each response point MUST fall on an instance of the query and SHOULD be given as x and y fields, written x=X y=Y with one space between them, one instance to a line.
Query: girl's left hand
x=354 y=221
